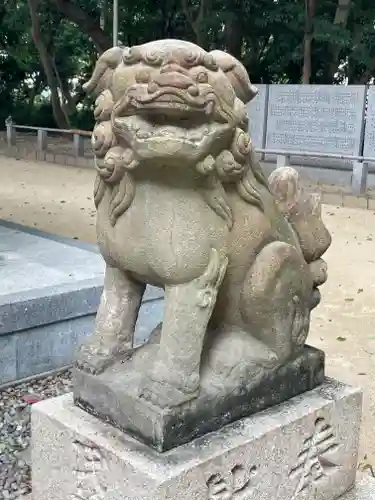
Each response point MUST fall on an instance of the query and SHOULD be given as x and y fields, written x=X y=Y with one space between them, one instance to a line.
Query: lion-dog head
x=170 y=102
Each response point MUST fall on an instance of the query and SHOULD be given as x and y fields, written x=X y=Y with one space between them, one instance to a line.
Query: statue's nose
x=174 y=76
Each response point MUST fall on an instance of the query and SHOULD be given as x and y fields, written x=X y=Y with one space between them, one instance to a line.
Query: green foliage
x=267 y=35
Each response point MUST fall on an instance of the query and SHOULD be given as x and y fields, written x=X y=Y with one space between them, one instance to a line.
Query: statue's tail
x=303 y=210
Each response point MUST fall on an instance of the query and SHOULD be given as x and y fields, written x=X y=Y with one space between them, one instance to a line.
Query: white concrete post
x=42 y=139
x=11 y=135
x=359 y=177
x=78 y=145
x=282 y=161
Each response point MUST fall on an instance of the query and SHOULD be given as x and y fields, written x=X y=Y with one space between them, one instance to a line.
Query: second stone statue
x=184 y=205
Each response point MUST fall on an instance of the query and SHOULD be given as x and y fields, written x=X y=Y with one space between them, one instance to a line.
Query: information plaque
x=316 y=118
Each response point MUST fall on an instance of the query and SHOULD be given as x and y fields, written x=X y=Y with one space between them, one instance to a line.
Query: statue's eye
x=202 y=77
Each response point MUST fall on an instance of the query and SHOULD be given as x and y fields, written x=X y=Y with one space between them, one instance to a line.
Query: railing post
x=42 y=139
x=282 y=161
x=359 y=177
x=11 y=135
x=78 y=145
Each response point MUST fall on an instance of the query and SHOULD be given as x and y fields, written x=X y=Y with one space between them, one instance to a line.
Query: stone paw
x=164 y=394
x=95 y=356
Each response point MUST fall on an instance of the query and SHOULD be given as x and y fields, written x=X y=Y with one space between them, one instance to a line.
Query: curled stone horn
x=236 y=74
x=107 y=62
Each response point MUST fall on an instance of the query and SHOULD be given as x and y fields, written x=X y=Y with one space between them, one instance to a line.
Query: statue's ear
x=104 y=67
x=236 y=74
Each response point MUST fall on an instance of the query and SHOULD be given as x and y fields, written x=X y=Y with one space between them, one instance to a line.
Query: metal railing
x=42 y=136
x=359 y=163
x=283 y=157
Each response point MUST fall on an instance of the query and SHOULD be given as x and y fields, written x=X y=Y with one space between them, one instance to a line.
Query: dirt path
x=59 y=200
x=50 y=197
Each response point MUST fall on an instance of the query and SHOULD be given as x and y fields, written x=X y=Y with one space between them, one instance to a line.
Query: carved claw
x=165 y=395
x=95 y=356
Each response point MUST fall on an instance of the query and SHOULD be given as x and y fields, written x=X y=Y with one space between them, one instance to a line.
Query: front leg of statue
x=175 y=376
x=115 y=322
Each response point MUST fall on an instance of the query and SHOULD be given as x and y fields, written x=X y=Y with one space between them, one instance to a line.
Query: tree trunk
x=35 y=90
x=233 y=36
x=310 y=7
x=85 y=22
x=58 y=113
x=104 y=15
x=341 y=18
x=205 y=7
x=68 y=103
x=167 y=27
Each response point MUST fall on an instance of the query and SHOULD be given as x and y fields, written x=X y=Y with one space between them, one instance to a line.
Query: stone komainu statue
x=183 y=204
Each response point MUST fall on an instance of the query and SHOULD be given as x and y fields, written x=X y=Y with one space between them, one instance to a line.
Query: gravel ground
x=15 y=404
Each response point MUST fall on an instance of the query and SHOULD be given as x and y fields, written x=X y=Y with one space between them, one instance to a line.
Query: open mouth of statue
x=167 y=116
x=174 y=103
x=160 y=127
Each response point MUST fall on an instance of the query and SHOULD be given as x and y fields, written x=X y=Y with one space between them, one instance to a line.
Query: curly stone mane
x=236 y=166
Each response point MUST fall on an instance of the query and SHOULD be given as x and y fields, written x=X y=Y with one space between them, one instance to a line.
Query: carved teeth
x=145 y=130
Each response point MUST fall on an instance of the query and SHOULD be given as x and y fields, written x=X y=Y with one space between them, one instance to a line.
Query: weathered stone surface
x=183 y=204
x=363 y=490
x=303 y=449
x=114 y=396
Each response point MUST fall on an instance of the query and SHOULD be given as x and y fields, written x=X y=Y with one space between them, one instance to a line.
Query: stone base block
x=114 y=397
x=305 y=448
x=50 y=289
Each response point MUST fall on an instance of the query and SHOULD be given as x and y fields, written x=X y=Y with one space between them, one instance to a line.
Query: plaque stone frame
x=369 y=135
x=334 y=123
x=257 y=110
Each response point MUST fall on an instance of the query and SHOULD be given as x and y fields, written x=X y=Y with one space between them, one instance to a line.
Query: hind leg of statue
x=174 y=377
x=277 y=299
x=115 y=322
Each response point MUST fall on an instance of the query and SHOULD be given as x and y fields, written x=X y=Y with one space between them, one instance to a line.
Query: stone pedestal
x=114 y=396
x=305 y=448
